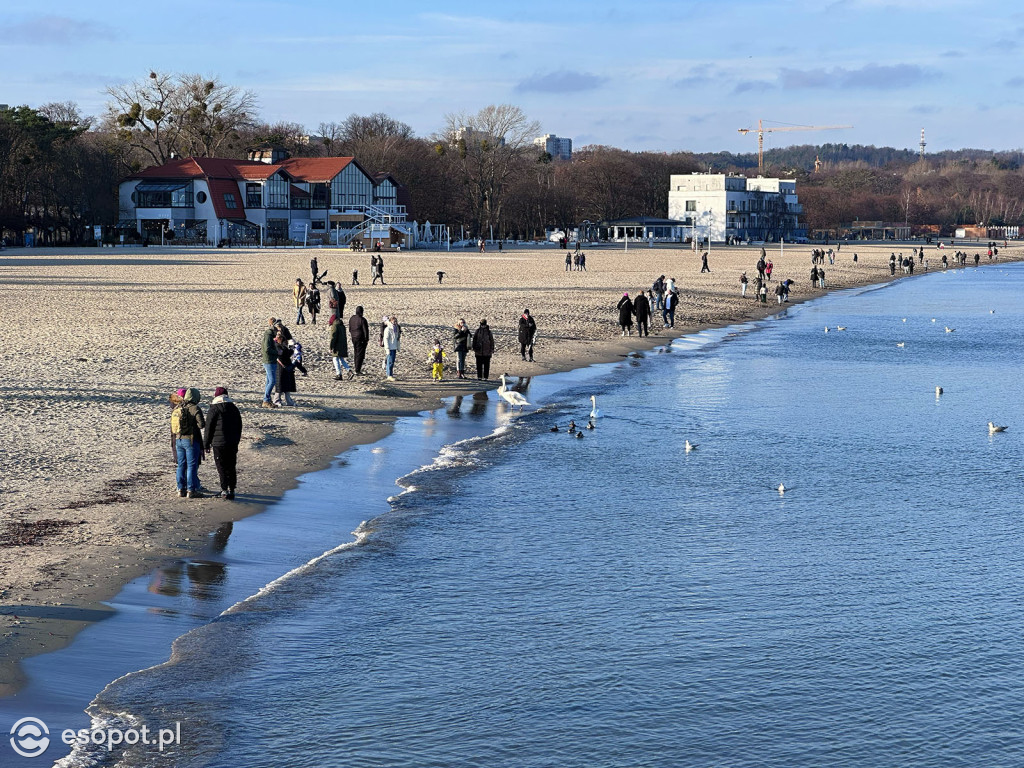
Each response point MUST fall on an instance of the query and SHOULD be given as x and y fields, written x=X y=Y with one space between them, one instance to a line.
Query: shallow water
x=534 y=599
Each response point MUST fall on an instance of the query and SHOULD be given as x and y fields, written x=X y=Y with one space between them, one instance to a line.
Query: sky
x=646 y=75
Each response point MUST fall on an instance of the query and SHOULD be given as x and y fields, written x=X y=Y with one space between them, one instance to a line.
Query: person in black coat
x=460 y=338
x=359 y=330
x=483 y=348
x=527 y=334
x=313 y=303
x=625 y=307
x=642 y=311
x=223 y=434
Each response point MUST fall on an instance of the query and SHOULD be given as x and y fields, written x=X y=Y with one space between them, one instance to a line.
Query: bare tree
x=488 y=148
x=185 y=114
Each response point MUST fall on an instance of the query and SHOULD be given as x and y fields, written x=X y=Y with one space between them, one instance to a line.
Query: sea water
x=527 y=598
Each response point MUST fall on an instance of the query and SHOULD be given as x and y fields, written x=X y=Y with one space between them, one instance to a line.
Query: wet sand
x=94 y=340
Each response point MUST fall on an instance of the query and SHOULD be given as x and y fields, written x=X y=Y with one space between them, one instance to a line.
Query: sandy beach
x=94 y=340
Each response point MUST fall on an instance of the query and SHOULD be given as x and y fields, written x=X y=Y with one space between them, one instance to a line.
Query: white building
x=719 y=206
x=269 y=198
x=557 y=147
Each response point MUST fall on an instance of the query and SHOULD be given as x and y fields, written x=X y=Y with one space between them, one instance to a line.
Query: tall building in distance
x=557 y=147
x=723 y=206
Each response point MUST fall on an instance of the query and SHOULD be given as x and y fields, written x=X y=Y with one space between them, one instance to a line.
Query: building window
x=691 y=205
x=276 y=192
x=229 y=200
x=200 y=197
x=253 y=195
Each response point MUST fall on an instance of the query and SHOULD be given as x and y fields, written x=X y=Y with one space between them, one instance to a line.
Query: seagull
x=949 y=330
x=904 y=319
x=902 y=344
x=594 y=413
x=826 y=329
x=938 y=391
x=992 y=428
x=933 y=319
x=510 y=397
x=690 y=446
x=991 y=311
x=782 y=489
x=590 y=425
x=840 y=327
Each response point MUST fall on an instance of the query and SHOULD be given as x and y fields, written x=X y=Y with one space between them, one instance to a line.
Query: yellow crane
x=761 y=131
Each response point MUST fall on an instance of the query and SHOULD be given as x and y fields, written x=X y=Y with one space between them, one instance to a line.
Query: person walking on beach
x=460 y=338
x=314 y=268
x=768 y=270
x=313 y=302
x=336 y=300
x=339 y=349
x=668 y=311
x=583 y=261
x=814 y=275
x=187 y=423
x=704 y=263
x=625 y=307
x=743 y=285
x=299 y=297
x=285 y=372
x=659 y=291
x=270 y=362
x=761 y=265
x=642 y=311
x=436 y=359
x=355 y=277
x=780 y=290
x=483 y=348
x=359 y=329
x=527 y=334
x=392 y=344
x=223 y=434
x=568 y=262
x=380 y=269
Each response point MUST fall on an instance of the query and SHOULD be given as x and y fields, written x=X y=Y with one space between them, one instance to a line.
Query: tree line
x=59 y=169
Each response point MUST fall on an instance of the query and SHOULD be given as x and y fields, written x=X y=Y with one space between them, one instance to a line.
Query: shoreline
x=61 y=591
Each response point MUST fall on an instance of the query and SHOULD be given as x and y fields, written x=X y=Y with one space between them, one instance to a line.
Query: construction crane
x=761 y=131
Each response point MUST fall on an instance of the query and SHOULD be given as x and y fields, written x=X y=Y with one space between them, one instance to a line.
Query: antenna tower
x=922 y=145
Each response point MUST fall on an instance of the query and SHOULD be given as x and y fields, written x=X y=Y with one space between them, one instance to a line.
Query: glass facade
x=253 y=195
x=163 y=195
x=277 y=229
x=276 y=192
x=351 y=187
x=385 y=194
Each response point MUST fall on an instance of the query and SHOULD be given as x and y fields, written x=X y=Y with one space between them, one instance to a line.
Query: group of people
x=576 y=261
x=282 y=356
x=639 y=308
x=195 y=434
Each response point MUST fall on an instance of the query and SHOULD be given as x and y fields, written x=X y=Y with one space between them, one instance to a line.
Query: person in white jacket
x=392 y=344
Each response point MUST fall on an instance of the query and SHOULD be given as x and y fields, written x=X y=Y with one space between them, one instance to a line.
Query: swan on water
x=992 y=428
x=510 y=397
x=595 y=413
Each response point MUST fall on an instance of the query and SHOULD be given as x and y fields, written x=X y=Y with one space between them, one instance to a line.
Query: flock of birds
x=575 y=431
x=992 y=427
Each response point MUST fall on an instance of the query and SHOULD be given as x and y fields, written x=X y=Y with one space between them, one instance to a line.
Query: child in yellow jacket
x=436 y=360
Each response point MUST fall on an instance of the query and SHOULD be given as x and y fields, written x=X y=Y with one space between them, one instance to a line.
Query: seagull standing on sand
x=510 y=397
x=992 y=428
x=594 y=413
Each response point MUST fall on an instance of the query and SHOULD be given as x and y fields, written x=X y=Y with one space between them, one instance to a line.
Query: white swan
x=510 y=397
x=595 y=413
x=992 y=428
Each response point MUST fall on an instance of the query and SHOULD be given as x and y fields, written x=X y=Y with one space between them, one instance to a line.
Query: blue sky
x=647 y=75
